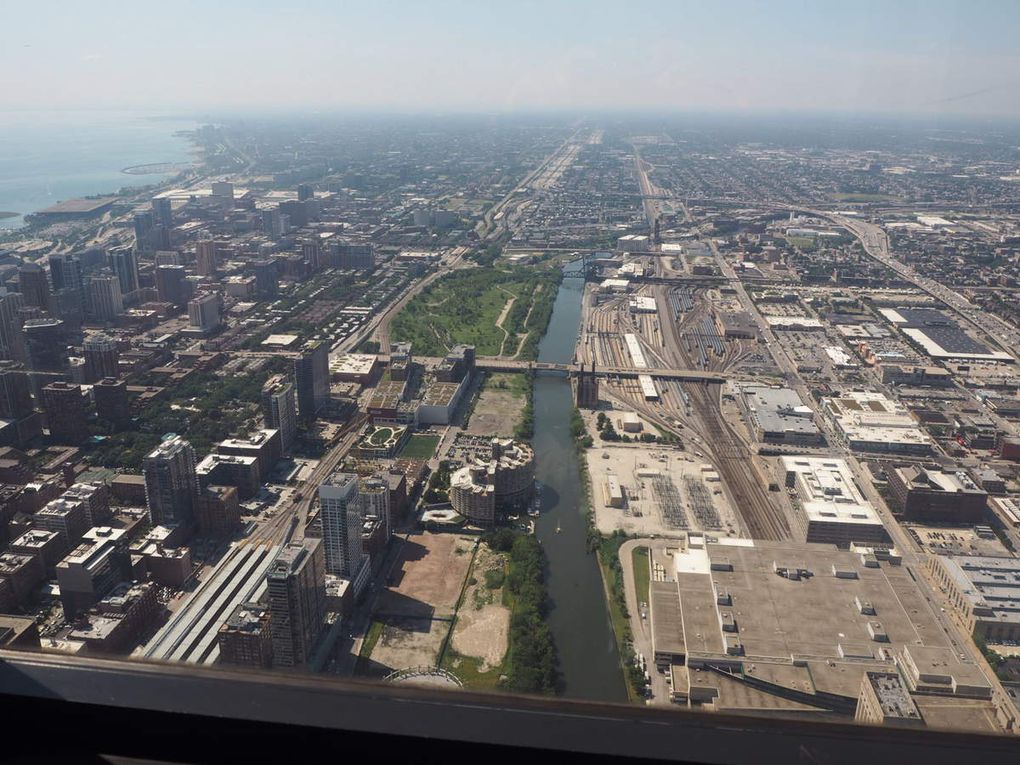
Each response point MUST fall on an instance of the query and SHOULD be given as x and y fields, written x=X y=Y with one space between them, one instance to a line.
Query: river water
x=579 y=618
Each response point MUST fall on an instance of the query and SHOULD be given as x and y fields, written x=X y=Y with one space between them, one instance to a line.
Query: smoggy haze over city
x=939 y=57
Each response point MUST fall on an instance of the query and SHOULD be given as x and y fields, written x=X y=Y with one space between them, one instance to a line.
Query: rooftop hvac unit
x=729 y=624
x=864 y=606
x=733 y=646
x=877 y=632
x=842 y=572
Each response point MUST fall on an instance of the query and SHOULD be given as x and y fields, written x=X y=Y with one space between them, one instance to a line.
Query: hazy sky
x=859 y=56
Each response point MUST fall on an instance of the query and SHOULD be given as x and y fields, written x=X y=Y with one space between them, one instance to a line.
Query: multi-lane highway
x=876 y=244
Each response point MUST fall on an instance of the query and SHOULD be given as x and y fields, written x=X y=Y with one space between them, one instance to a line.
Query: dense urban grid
x=280 y=411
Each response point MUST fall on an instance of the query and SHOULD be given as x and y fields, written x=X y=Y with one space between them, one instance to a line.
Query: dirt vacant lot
x=483 y=621
x=408 y=642
x=427 y=578
x=499 y=406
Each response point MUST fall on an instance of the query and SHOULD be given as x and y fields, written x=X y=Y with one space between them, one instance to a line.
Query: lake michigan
x=47 y=157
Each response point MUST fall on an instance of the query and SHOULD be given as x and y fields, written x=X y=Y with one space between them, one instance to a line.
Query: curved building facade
x=482 y=488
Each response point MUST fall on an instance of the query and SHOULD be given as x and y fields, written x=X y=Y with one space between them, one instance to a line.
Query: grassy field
x=641 y=573
x=420 y=446
x=380 y=436
x=368 y=645
x=862 y=196
x=515 y=384
x=463 y=307
x=483 y=591
x=468 y=670
x=803 y=242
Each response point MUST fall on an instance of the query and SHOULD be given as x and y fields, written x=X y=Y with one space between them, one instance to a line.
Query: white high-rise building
x=204 y=312
x=342 y=521
x=279 y=407
x=105 y=302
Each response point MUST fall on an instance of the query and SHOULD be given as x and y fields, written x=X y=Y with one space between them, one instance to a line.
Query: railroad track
x=289 y=521
x=732 y=458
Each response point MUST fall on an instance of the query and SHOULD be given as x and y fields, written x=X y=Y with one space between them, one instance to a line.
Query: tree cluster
x=532 y=649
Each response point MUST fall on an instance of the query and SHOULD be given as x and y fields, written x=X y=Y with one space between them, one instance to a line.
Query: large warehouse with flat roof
x=77 y=209
x=792 y=628
x=777 y=415
x=869 y=421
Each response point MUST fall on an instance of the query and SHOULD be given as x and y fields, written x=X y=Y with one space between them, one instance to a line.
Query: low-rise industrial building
x=832 y=508
x=925 y=494
x=777 y=415
x=642 y=304
x=736 y=324
x=935 y=377
x=868 y=421
x=441 y=401
x=354 y=367
x=984 y=593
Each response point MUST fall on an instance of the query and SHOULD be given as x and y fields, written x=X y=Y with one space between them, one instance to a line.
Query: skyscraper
x=375 y=500
x=46 y=342
x=312 y=252
x=65 y=272
x=12 y=339
x=124 y=262
x=296 y=585
x=64 y=406
x=163 y=212
x=267 y=280
x=22 y=422
x=170 y=481
x=69 y=306
x=205 y=257
x=171 y=284
x=101 y=357
x=311 y=378
x=104 y=297
x=15 y=395
x=204 y=312
x=341 y=516
x=279 y=407
x=34 y=287
x=143 y=222
x=111 y=399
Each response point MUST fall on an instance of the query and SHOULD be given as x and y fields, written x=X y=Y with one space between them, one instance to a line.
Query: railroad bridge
x=490 y=364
